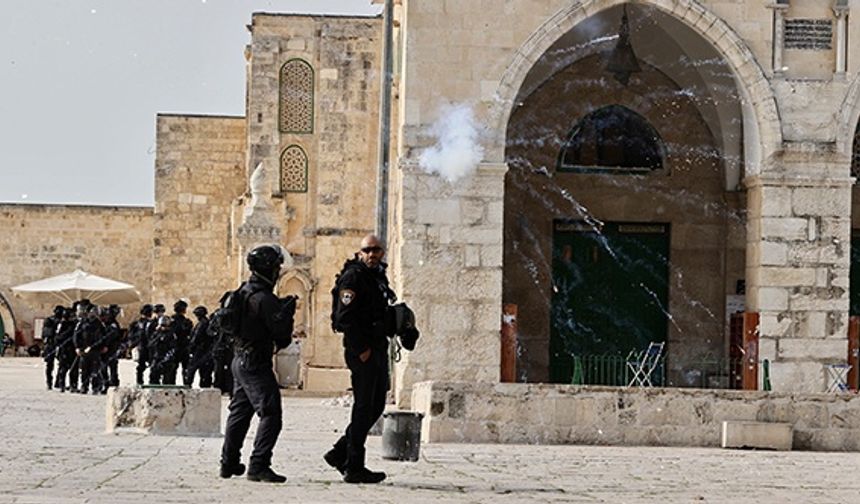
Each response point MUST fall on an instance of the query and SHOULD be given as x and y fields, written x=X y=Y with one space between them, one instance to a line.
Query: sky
x=81 y=82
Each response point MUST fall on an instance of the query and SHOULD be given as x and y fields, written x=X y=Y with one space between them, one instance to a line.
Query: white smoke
x=457 y=152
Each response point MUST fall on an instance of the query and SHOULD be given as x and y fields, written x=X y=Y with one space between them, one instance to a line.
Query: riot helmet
x=200 y=311
x=159 y=309
x=266 y=261
x=146 y=310
x=59 y=310
x=180 y=306
x=164 y=322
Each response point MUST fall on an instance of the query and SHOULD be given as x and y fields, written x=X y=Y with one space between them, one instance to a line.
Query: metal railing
x=614 y=370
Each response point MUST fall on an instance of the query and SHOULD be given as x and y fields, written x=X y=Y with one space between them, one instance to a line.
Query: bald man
x=360 y=298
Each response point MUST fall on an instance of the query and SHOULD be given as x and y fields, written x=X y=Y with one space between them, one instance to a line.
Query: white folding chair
x=644 y=366
x=837 y=375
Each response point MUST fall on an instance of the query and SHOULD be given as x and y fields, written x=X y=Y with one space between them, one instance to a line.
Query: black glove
x=288 y=306
x=410 y=338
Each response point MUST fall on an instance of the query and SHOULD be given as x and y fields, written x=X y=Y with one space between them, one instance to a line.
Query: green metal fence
x=617 y=370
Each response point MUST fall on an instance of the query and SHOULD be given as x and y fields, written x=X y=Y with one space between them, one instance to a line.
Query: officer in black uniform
x=65 y=350
x=265 y=325
x=222 y=351
x=113 y=347
x=361 y=297
x=89 y=345
x=200 y=350
x=138 y=338
x=162 y=347
x=49 y=338
x=182 y=330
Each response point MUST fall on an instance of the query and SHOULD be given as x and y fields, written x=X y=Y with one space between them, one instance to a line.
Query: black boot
x=363 y=475
x=228 y=471
x=266 y=475
x=336 y=459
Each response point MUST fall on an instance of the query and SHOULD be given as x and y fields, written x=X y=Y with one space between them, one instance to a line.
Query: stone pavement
x=54 y=450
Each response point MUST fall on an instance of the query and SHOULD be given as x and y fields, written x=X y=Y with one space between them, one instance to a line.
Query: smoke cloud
x=457 y=151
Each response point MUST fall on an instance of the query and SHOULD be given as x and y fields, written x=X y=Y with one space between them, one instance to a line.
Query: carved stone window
x=296 y=97
x=294 y=170
x=612 y=139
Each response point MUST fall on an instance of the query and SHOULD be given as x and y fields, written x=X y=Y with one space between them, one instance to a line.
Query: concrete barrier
x=175 y=411
x=757 y=435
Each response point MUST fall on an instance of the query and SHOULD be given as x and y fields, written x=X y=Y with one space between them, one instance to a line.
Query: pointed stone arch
x=760 y=111
x=849 y=119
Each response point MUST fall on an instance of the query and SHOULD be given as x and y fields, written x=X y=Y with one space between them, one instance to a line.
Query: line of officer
x=264 y=324
x=89 y=345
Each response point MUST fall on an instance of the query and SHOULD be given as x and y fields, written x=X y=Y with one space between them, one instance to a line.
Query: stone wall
x=323 y=226
x=566 y=414
x=464 y=53
x=199 y=172
x=41 y=241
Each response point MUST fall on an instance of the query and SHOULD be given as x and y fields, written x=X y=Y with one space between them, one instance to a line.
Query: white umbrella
x=77 y=285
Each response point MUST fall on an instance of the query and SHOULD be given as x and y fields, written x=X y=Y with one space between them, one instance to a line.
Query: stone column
x=780 y=7
x=449 y=269
x=798 y=259
x=840 y=9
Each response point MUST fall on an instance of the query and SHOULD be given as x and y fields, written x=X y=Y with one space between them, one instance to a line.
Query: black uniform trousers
x=254 y=391
x=370 y=384
x=49 y=368
x=89 y=366
x=142 y=356
x=202 y=364
x=68 y=365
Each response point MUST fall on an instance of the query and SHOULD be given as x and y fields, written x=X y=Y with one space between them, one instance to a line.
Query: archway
x=7 y=318
x=651 y=250
x=761 y=127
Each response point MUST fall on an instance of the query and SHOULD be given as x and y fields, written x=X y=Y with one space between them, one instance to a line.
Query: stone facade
x=794 y=150
x=565 y=414
x=46 y=240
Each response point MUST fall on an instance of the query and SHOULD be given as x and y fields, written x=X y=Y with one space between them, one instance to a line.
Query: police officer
x=162 y=347
x=360 y=298
x=49 y=338
x=138 y=338
x=265 y=325
x=65 y=350
x=182 y=331
x=89 y=345
x=222 y=351
x=200 y=350
x=113 y=347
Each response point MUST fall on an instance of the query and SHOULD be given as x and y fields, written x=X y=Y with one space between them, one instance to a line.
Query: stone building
x=648 y=168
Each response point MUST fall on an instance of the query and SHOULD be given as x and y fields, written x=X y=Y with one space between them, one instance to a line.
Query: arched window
x=855 y=155
x=294 y=170
x=296 y=97
x=610 y=139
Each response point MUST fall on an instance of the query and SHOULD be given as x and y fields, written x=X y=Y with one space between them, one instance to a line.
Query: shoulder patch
x=346 y=296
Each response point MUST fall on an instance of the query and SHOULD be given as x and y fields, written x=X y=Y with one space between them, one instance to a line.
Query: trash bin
x=401 y=435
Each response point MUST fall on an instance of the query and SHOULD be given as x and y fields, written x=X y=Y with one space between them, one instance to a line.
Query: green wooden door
x=610 y=292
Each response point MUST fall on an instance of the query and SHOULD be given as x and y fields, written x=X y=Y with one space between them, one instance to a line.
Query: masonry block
x=757 y=435
x=164 y=411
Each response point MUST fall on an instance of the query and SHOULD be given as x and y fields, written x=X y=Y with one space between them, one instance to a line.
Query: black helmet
x=265 y=260
x=59 y=310
x=200 y=311
x=159 y=308
x=146 y=310
x=114 y=310
x=180 y=306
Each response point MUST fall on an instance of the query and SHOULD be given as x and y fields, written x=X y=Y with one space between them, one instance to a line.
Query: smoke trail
x=457 y=152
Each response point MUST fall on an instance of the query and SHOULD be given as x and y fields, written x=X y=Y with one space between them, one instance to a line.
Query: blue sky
x=82 y=80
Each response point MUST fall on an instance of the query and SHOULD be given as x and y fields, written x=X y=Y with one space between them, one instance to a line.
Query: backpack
x=232 y=308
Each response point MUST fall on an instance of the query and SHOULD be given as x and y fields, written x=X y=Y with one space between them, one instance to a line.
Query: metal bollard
x=401 y=435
